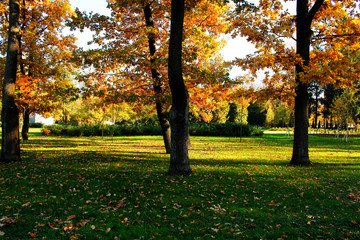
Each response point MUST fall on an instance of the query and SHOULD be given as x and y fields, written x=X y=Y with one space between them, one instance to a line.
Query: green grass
x=117 y=188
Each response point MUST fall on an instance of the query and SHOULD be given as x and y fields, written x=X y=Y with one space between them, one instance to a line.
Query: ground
x=117 y=188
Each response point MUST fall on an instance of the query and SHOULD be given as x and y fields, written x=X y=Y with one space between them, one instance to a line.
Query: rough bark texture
x=25 y=126
x=179 y=113
x=10 y=144
x=304 y=19
x=157 y=84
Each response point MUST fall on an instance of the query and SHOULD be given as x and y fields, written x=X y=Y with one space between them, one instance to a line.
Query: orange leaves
x=44 y=54
x=123 y=64
x=271 y=28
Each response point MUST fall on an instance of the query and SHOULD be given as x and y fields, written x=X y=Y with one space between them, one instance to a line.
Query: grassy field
x=117 y=188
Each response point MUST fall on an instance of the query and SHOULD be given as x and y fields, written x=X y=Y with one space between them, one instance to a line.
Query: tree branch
x=336 y=36
x=314 y=10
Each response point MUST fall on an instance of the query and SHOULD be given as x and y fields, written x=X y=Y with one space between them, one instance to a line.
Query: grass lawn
x=117 y=188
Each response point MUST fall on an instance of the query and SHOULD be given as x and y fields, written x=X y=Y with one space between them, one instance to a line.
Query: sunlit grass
x=117 y=187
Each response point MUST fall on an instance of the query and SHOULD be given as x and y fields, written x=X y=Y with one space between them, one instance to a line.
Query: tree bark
x=304 y=19
x=179 y=113
x=157 y=84
x=25 y=126
x=10 y=144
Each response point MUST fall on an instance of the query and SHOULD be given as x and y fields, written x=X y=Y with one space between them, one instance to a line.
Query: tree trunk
x=157 y=84
x=25 y=127
x=316 y=106
x=304 y=19
x=10 y=144
x=179 y=113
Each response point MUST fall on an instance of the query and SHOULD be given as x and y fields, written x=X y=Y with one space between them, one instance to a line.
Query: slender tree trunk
x=179 y=113
x=10 y=144
x=304 y=19
x=157 y=84
x=316 y=107
x=26 y=123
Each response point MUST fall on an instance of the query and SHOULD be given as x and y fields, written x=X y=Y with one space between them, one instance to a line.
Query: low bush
x=197 y=129
x=36 y=125
x=224 y=129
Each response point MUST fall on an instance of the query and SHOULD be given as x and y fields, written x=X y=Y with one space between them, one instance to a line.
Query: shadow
x=143 y=150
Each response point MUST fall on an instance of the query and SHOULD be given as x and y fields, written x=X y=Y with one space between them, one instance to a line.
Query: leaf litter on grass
x=93 y=188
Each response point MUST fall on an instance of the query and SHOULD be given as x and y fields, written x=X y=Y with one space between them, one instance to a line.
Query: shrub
x=198 y=129
x=74 y=131
x=224 y=129
x=56 y=129
x=36 y=125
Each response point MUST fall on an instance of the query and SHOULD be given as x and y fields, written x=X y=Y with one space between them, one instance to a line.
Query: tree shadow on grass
x=130 y=150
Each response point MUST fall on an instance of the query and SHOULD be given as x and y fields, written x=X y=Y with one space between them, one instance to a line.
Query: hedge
x=197 y=129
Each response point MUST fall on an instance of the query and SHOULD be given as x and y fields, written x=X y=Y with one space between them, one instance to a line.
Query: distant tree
x=330 y=93
x=256 y=114
x=315 y=91
x=344 y=109
x=233 y=112
x=282 y=114
x=237 y=112
x=10 y=144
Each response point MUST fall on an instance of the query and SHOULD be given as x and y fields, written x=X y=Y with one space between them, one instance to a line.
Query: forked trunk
x=157 y=84
x=179 y=113
x=10 y=144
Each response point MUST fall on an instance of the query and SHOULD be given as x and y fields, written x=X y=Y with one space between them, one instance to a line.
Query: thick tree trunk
x=179 y=113
x=304 y=19
x=300 y=148
x=25 y=126
x=10 y=144
x=157 y=84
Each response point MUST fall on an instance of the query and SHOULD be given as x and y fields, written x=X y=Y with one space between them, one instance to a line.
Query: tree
x=315 y=91
x=157 y=83
x=304 y=19
x=344 y=109
x=131 y=61
x=238 y=112
x=330 y=93
x=44 y=56
x=257 y=114
x=330 y=27
x=10 y=144
x=179 y=113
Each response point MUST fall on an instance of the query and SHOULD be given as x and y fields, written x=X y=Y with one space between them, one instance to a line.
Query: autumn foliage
x=45 y=52
x=271 y=28
x=123 y=63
